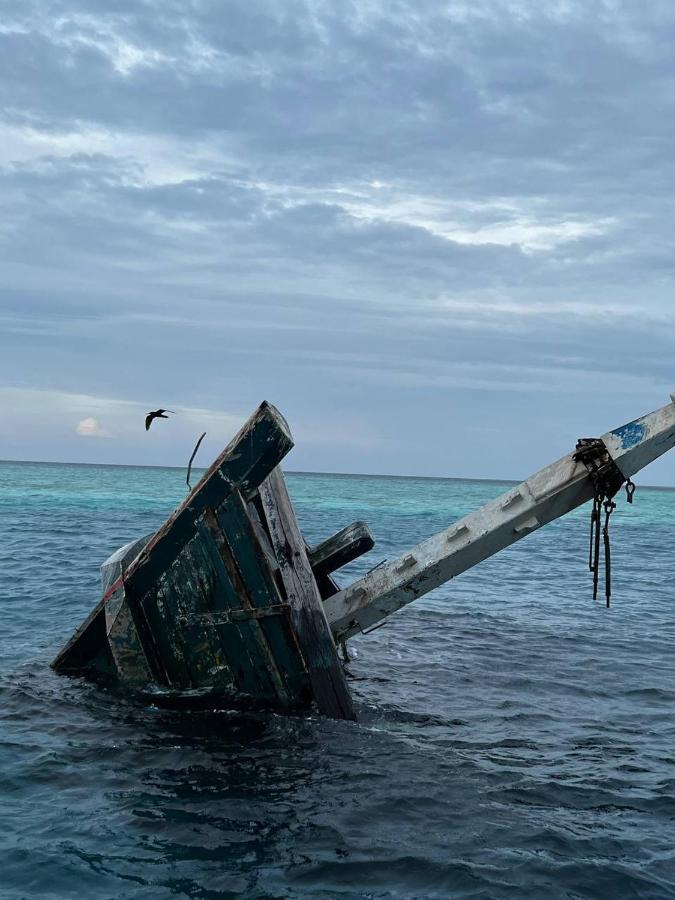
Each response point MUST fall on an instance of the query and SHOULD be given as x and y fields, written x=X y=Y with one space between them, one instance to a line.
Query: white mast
x=545 y=496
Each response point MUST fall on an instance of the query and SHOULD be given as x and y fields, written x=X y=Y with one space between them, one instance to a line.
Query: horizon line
x=46 y=462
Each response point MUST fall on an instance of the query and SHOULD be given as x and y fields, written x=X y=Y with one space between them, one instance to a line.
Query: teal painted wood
x=233 y=660
x=247 y=521
x=187 y=589
x=224 y=567
x=238 y=547
x=235 y=641
x=284 y=647
x=259 y=586
x=165 y=655
x=258 y=447
x=215 y=596
x=124 y=642
x=238 y=640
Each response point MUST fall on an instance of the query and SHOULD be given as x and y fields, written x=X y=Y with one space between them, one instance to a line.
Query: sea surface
x=514 y=738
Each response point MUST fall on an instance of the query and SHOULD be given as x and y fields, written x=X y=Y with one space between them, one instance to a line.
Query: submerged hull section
x=222 y=600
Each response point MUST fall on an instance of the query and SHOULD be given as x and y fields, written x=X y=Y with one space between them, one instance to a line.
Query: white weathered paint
x=544 y=496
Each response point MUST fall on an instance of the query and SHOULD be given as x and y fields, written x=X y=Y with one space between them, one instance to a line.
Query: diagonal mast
x=543 y=497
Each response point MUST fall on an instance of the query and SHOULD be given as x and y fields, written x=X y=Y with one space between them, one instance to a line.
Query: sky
x=437 y=236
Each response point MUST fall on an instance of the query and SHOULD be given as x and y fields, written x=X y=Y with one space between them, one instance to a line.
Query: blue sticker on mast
x=631 y=434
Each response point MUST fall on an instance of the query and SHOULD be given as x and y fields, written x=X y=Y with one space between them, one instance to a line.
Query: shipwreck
x=226 y=604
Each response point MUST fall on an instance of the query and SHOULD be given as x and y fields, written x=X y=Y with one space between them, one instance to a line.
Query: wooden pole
x=540 y=499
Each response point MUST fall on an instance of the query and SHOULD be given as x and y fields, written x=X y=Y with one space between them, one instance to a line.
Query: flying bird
x=156 y=414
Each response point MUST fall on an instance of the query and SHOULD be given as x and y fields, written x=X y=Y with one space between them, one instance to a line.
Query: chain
x=607 y=480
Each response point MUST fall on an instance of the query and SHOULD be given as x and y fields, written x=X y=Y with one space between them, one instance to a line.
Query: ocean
x=514 y=740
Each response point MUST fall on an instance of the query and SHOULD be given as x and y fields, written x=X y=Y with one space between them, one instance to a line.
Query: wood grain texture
x=307 y=617
x=341 y=548
x=544 y=496
x=253 y=453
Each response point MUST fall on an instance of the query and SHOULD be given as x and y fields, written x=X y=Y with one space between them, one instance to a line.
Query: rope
x=607 y=480
x=194 y=453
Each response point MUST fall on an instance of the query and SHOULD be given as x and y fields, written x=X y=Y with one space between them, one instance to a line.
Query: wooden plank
x=191 y=587
x=237 y=639
x=261 y=590
x=124 y=643
x=283 y=644
x=157 y=608
x=251 y=562
x=307 y=617
x=255 y=513
x=252 y=583
x=636 y=444
x=347 y=545
x=142 y=623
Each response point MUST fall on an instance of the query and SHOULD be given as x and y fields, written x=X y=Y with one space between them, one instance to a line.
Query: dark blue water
x=515 y=740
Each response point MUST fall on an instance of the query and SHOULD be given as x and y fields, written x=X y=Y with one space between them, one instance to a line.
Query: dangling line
x=607 y=479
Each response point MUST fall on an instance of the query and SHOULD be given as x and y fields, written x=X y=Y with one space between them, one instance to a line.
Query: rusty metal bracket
x=605 y=474
x=607 y=479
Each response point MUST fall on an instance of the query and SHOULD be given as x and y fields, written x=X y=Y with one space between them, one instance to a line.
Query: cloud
x=27 y=413
x=89 y=427
x=395 y=220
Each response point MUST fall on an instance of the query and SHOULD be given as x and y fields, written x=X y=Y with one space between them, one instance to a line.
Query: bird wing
x=148 y=421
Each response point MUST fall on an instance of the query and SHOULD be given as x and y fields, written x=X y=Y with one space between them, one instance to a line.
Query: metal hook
x=630 y=490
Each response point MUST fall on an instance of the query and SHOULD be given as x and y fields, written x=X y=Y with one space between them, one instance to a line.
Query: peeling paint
x=630 y=435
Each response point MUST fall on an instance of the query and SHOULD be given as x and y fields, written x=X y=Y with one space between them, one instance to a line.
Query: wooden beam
x=540 y=499
x=306 y=614
x=347 y=545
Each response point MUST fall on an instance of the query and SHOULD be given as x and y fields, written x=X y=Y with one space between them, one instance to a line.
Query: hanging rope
x=194 y=453
x=607 y=479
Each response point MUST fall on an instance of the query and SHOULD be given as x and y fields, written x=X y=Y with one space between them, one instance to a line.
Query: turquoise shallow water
x=514 y=739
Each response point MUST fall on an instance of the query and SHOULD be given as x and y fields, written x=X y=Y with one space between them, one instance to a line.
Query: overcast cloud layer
x=438 y=236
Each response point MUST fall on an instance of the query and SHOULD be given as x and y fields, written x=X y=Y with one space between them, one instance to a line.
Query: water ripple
x=514 y=739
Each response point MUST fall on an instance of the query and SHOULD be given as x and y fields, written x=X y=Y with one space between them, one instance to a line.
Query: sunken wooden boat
x=227 y=605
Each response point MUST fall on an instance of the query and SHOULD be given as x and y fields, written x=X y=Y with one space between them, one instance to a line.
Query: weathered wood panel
x=343 y=547
x=124 y=643
x=260 y=445
x=204 y=605
x=238 y=639
x=203 y=614
x=308 y=620
x=207 y=559
x=250 y=576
